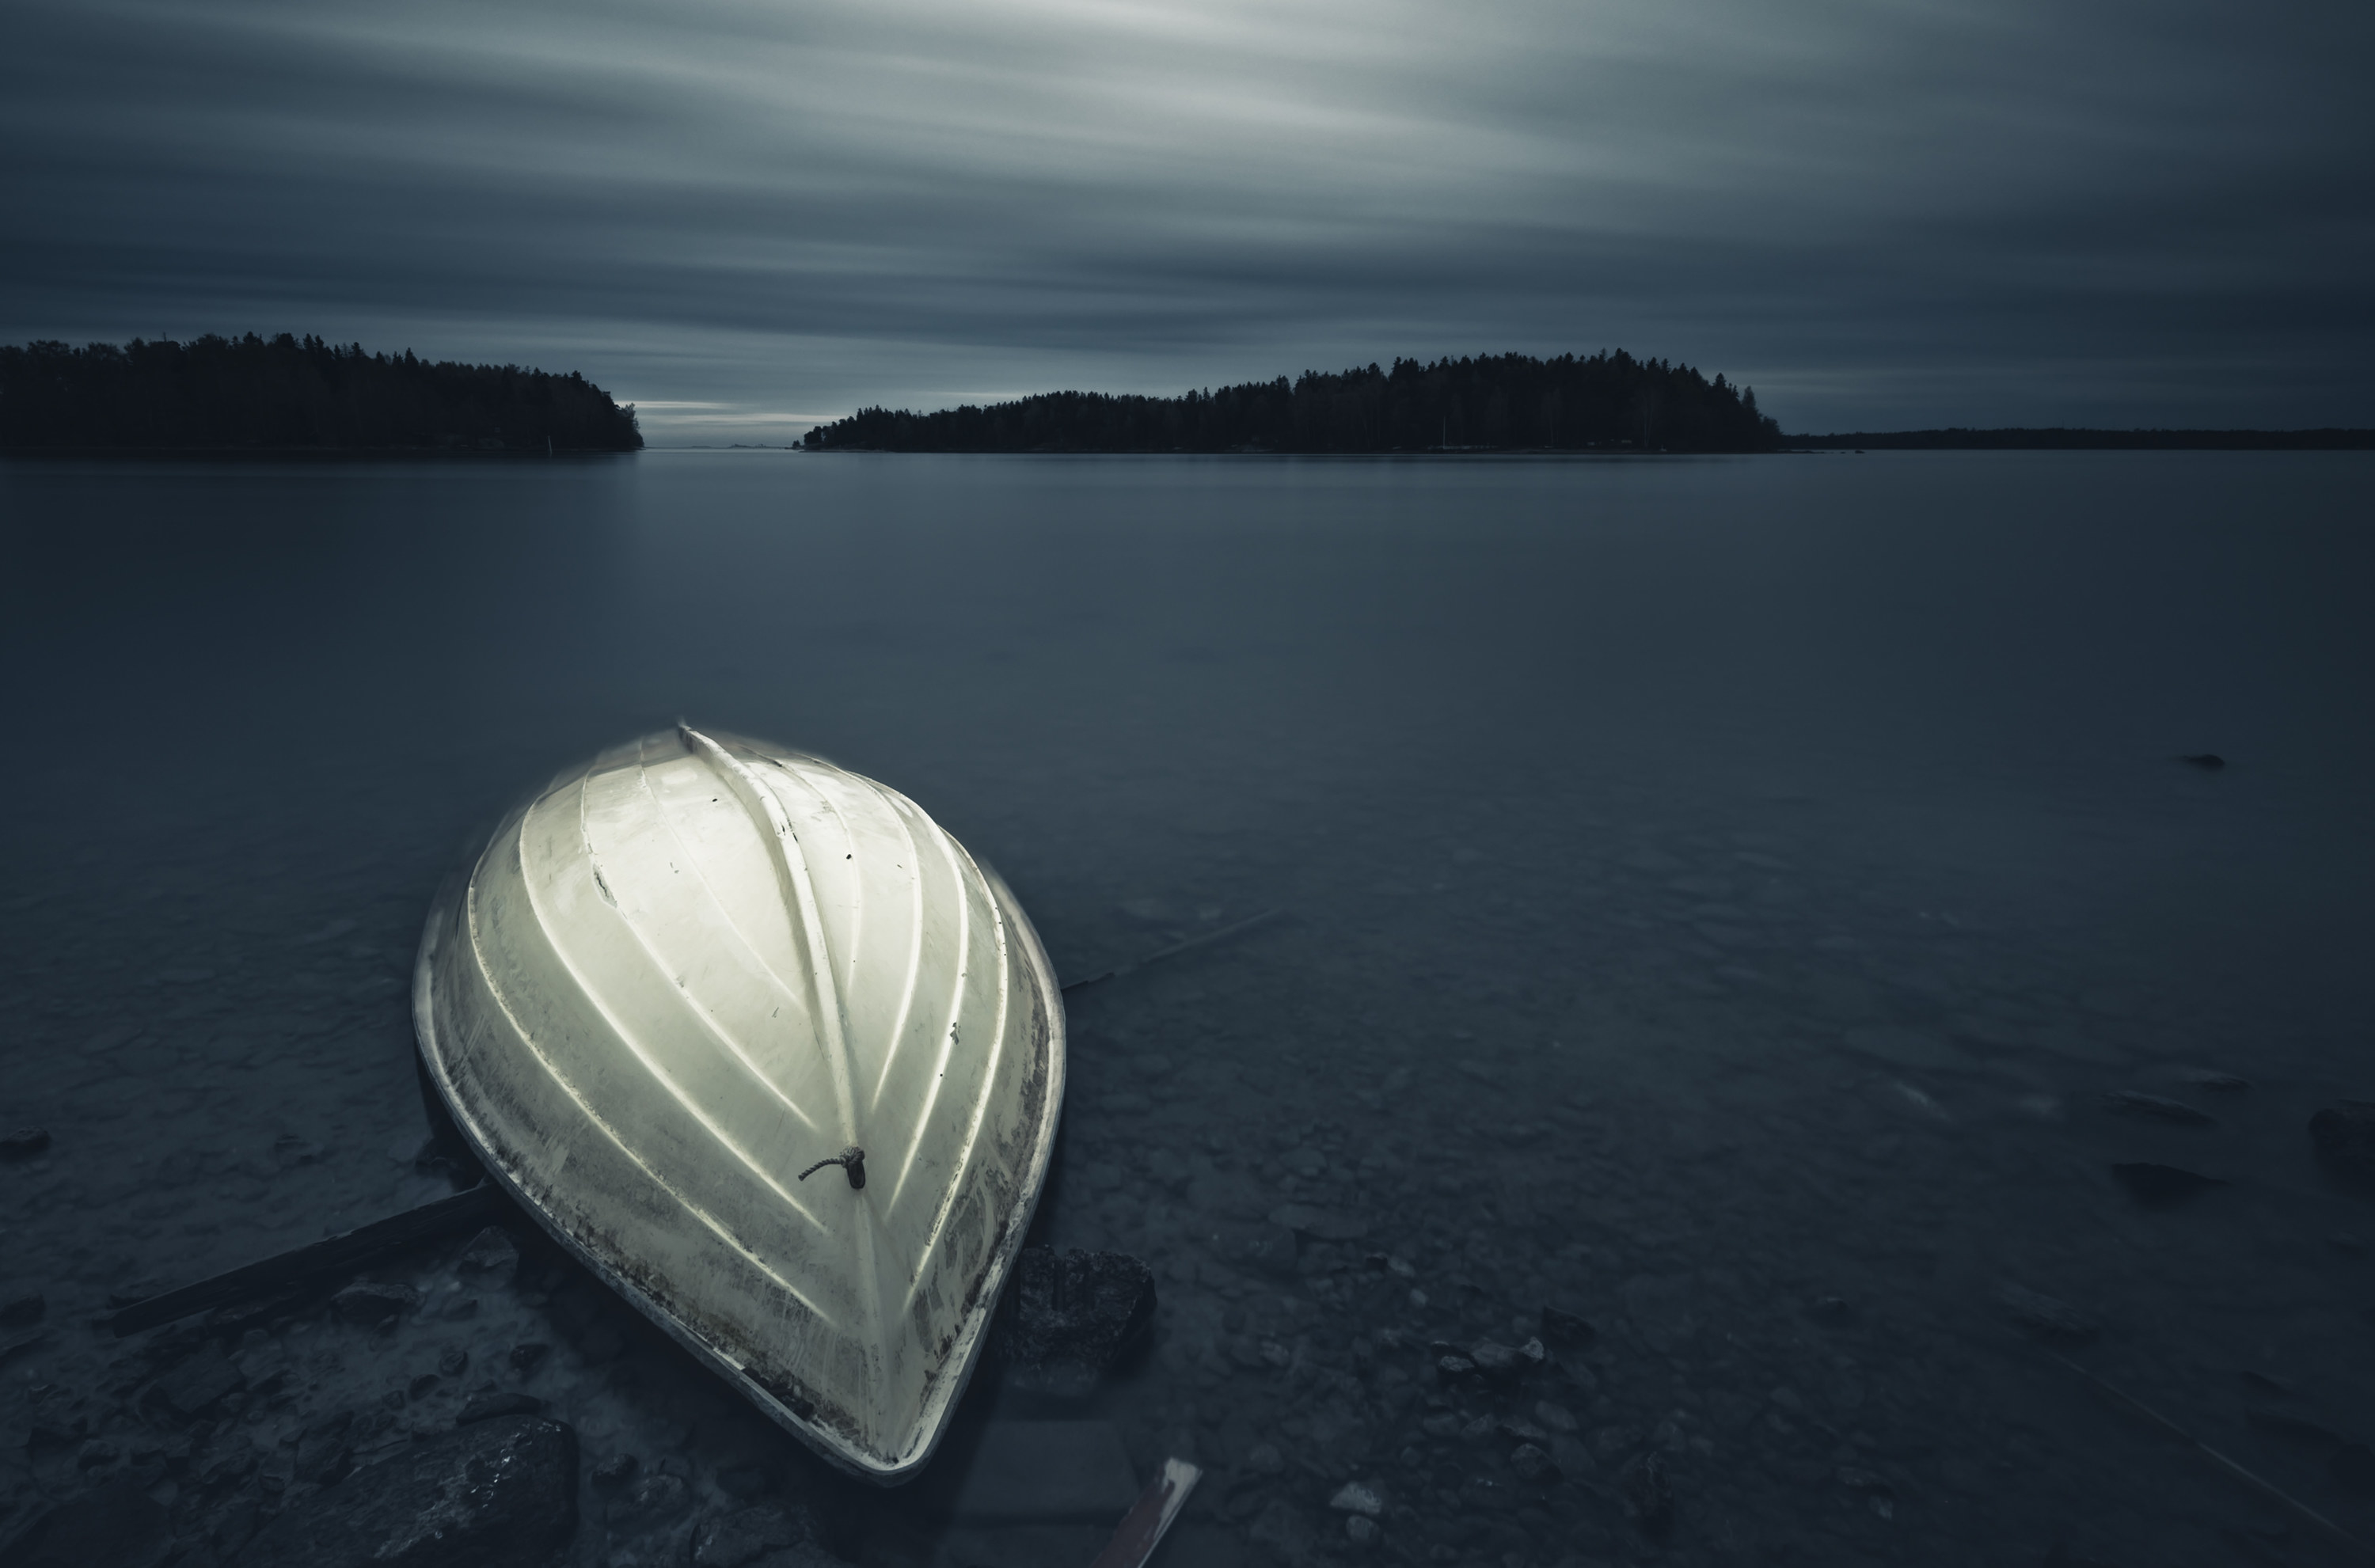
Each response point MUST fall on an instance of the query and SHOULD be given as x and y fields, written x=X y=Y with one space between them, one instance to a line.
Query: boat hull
x=688 y=974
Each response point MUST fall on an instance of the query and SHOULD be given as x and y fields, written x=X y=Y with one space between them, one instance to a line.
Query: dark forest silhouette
x=1509 y=402
x=287 y=393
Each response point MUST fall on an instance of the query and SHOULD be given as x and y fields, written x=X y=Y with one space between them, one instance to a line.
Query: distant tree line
x=290 y=392
x=2064 y=439
x=1508 y=402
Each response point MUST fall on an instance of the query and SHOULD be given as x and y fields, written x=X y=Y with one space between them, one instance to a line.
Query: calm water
x=1721 y=893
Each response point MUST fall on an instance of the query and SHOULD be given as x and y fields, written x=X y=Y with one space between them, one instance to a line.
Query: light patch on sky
x=1881 y=213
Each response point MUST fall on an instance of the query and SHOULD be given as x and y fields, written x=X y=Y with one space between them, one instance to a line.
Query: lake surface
x=1718 y=895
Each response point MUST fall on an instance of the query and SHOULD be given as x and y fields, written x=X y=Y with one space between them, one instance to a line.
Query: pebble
x=488 y=1407
x=492 y=1253
x=525 y=1359
x=199 y=1381
x=1265 y=1459
x=2044 y=1316
x=647 y=1503
x=2159 y=1108
x=2344 y=1135
x=373 y=1304
x=1648 y=1496
x=615 y=1473
x=1360 y=1529
x=1565 y=1330
x=2162 y=1186
x=1530 y=1461
x=1357 y=1497
x=24 y=1143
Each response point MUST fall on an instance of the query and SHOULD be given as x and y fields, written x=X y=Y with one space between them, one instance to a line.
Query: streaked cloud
x=1879 y=212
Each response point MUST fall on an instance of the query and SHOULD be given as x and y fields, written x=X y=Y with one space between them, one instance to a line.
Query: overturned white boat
x=692 y=975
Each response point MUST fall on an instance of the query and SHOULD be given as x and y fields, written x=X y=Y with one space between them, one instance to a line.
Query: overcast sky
x=748 y=215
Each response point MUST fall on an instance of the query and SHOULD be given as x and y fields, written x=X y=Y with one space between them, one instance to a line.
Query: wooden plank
x=1141 y=1528
x=347 y=1251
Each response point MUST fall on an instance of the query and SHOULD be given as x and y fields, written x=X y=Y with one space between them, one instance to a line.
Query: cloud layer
x=754 y=215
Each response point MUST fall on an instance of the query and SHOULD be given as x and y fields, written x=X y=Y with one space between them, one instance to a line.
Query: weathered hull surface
x=691 y=970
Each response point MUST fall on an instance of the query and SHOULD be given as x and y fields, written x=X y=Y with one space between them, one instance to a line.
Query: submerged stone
x=2045 y=1317
x=2162 y=1186
x=2157 y=1108
x=2344 y=1135
x=1071 y=1317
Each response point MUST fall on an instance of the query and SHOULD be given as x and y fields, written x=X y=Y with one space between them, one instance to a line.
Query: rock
x=491 y=1255
x=1530 y=1461
x=2344 y=1135
x=1833 y=1310
x=453 y=1361
x=2293 y=1428
x=1573 y=1460
x=2045 y=1317
x=198 y=1381
x=1555 y=1418
x=2162 y=1186
x=288 y=1152
x=23 y=1312
x=525 y=1359
x=1649 y=1496
x=1283 y=1530
x=2213 y=1082
x=1264 y=1248
x=1326 y=1224
x=1046 y=1471
x=24 y=1143
x=1661 y=1307
x=2208 y=761
x=116 y=1525
x=1264 y=1459
x=1498 y=1363
x=778 y=1536
x=488 y=1407
x=1489 y=1494
x=2157 y=1108
x=324 y=1453
x=1360 y=1529
x=1564 y=1331
x=496 y=1495
x=647 y=1503
x=1357 y=1497
x=746 y=1482
x=615 y=1473
x=373 y=1304
x=1071 y=1317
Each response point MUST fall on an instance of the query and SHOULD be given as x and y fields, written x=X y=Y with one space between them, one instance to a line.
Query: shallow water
x=1719 y=894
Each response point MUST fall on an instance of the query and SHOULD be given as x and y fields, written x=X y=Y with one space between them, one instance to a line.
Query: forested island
x=289 y=393
x=1610 y=402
